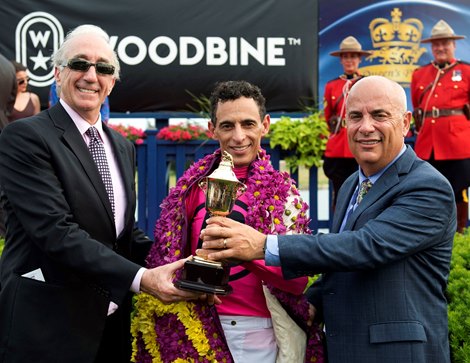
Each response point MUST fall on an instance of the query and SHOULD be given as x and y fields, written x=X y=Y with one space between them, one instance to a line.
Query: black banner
x=169 y=48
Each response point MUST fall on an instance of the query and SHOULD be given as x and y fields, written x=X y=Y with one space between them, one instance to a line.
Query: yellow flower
x=143 y=324
x=276 y=221
x=276 y=197
x=256 y=194
x=271 y=208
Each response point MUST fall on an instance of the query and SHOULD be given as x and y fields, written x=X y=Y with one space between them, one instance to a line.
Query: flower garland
x=189 y=331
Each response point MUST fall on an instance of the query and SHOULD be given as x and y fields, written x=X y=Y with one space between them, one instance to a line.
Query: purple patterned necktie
x=98 y=153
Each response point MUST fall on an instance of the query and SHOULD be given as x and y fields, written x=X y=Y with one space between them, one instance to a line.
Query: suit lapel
x=388 y=180
x=74 y=140
x=343 y=203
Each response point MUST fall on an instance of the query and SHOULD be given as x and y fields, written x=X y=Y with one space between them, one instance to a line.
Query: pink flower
x=183 y=132
x=131 y=133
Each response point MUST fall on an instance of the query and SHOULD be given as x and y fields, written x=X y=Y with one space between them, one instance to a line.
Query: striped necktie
x=98 y=153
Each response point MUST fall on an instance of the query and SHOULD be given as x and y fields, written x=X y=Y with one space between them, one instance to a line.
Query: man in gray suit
x=385 y=264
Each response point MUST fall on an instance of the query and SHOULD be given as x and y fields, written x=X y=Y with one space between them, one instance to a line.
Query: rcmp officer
x=339 y=163
x=440 y=93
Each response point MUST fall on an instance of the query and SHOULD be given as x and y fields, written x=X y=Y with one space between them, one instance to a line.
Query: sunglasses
x=22 y=80
x=82 y=65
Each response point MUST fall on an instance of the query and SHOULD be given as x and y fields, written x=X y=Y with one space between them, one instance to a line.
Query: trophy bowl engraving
x=220 y=196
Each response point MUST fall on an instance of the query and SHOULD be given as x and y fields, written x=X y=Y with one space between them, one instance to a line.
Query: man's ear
x=406 y=123
x=211 y=128
x=57 y=75
x=112 y=86
x=266 y=124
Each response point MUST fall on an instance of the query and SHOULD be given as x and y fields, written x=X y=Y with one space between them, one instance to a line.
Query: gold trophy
x=222 y=189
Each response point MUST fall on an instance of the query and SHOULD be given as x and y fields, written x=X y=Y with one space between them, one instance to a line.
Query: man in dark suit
x=72 y=254
x=385 y=266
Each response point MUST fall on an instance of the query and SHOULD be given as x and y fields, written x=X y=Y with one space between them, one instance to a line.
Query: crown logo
x=396 y=42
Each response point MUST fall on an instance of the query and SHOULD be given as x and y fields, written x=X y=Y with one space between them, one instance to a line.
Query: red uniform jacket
x=447 y=136
x=337 y=145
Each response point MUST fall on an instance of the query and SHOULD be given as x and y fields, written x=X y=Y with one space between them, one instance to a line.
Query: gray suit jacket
x=382 y=291
x=59 y=219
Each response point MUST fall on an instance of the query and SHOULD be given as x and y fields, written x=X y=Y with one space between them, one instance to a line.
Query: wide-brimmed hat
x=350 y=45
x=442 y=30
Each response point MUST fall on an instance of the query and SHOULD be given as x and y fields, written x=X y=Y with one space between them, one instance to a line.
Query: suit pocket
x=44 y=315
x=397 y=331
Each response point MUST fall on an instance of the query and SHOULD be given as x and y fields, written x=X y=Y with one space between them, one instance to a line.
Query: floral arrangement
x=189 y=331
x=183 y=132
x=131 y=133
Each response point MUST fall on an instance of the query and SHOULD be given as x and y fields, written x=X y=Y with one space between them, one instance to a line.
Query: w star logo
x=38 y=35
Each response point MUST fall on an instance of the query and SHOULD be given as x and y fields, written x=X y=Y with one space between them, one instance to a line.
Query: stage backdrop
x=168 y=48
x=372 y=22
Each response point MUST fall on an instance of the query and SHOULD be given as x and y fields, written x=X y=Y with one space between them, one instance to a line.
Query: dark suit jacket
x=7 y=90
x=382 y=292
x=59 y=219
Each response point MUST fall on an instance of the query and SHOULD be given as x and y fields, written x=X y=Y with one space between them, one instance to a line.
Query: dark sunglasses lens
x=22 y=81
x=84 y=66
x=104 y=68
x=79 y=65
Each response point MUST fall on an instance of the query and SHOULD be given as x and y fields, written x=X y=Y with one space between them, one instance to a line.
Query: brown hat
x=442 y=30
x=350 y=45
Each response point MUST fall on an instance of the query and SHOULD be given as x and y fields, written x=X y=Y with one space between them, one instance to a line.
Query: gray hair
x=58 y=59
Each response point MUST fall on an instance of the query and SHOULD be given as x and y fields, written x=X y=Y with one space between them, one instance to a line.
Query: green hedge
x=458 y=293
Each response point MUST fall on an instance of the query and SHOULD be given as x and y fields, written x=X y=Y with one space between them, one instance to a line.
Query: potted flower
x=131 y=133
x=183 y=132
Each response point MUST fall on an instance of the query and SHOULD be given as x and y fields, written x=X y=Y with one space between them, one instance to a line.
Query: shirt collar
x=373 y=178
x=81 y=124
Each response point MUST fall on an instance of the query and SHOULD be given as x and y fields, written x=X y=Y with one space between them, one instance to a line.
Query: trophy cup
x=222 y=189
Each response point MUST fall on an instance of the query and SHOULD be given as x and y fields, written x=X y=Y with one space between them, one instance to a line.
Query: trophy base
x=205 y=276
x=194 y=286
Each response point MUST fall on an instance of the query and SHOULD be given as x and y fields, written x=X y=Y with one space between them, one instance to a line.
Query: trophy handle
x=203 y=184
x=241 y=189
